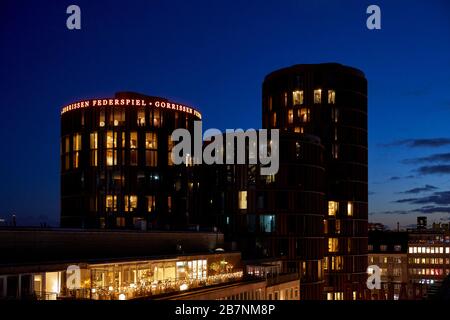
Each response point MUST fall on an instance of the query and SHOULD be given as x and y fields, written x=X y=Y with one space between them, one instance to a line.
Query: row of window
x=339 y=295
x=429 y=272
x=298 y=97
x=111 y=141
x=384 y=247
x=429 y=250
x=111 y=144
x=131 y=203
x=333 y=208
x=117 y=117
x=428 y=260
x=303 y=116
x=385 y=260
x=333 y=245
x=333 y=263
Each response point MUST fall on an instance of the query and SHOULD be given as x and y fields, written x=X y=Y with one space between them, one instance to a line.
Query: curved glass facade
x=116 y=169
x=330 y=101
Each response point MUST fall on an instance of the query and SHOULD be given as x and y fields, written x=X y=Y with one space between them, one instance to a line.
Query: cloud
x=439 y=198
x=438 y=157
x=391 y=212
x=395 y=178
x=422 y=210
x=419 y=143
x=436 y=169
x=431 y=210
x=420 y=189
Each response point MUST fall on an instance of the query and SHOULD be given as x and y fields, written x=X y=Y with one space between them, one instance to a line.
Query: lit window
x=111 y=203
x=297 y=97
x=242 y=200
x=151 y=141
x=133 y=140
x=141 y=117
x=93 y=146
x=77 y=142
x=333 y=207
x=331 y=96
x=76 y=150
x=76 y=159
x=304 y=114
x=397 y=247
x=317 y=96
x=156 y=118
x=350 y=209
x=151 y=203
x=285 y=99
x=370 y=248
x=338 y=226
x=111 y=139
x=111 y=157
x=335 y=151
x=270 y=103
x=383 y=247
x=410 y=250
x=330 y=296
x=267 y=223
x=274 y=119
x=290 y=116
x=133 y=148
x=111 y=152
x=337 y=263
x=299 y=130
x=151 y=145
x=338 y=296
x=333 y=245
x=130 y=203
x=447 y=250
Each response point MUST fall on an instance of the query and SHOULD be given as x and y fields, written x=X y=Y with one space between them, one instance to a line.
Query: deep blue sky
x=214 y=55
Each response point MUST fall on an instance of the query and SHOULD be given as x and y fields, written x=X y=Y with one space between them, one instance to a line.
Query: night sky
x=214 y=55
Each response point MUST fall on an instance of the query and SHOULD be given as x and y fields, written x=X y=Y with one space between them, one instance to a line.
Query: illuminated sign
x=129 y=102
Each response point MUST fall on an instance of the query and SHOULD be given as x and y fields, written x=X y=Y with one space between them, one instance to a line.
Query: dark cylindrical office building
x=116 y=169
x=330 y=101
x=276 y=216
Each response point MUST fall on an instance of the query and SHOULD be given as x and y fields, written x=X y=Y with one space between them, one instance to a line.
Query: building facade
x=330 y=101
x=275 y=216
x=116 y=169
x=389 y=251
x=127 y=265
x=428 y=255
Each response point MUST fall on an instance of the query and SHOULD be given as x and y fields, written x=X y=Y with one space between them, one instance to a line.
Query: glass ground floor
x=123 y=280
